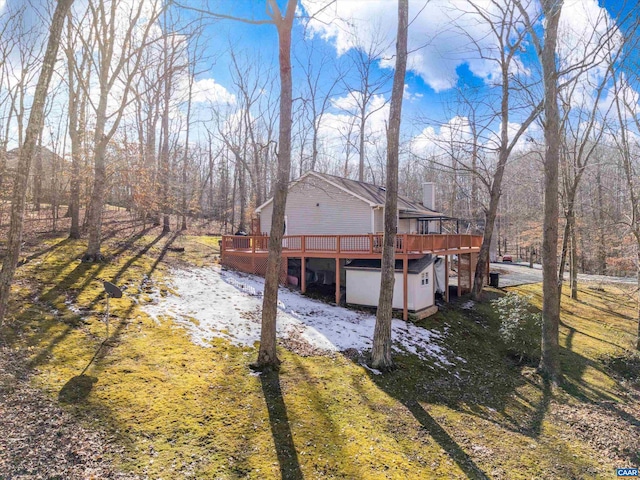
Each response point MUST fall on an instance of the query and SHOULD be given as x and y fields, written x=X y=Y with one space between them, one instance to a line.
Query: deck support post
x=446 y=278
x=303 y=275
x=405 y=289
x=337 y=281
x=253 y=254
x=460 y=273
x=472 y=261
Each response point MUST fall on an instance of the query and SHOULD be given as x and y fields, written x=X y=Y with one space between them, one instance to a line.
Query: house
x=48 y=178
x=322 y=204
x=333 y=237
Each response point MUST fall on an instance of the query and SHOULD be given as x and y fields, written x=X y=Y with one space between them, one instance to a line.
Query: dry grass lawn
x=177 y=410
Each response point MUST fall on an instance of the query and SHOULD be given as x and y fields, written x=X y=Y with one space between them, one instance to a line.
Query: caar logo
x=627 y=472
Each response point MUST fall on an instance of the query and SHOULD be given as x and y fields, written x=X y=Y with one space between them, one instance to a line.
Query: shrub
x=519 y=327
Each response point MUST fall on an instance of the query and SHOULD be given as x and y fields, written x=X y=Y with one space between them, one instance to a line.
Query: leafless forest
x=127 y=125
x=185 y=117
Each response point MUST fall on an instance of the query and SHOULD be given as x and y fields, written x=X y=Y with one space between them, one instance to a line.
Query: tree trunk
x=483 y=255
x=381 y=351
x=76 y=127
x=363 y=119
x=37 y=177
x=267 y=357
x=164 y=153
x=550 y=361
x=566 y=235
x=574 y=261
x=96 y=204
x=638 y=289
x=185 y=158
x=34 y=130
x=602 y=247
x=496 y=188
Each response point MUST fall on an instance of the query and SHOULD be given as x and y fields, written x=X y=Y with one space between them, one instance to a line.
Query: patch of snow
x=210 y=303
x=372 y=370
x=468 y=305
x=72 y=307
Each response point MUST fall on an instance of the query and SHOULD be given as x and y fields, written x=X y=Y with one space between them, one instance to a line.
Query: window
x=424 y=278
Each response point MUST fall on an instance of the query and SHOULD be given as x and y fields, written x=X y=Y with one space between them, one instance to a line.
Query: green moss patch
x=179 y=410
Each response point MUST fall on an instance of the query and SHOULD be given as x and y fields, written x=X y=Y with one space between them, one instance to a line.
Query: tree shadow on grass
x=70 y=287
x=440 y=435
x=489 y=385
x=44 y=251
x=280 y=428
x=411 y=398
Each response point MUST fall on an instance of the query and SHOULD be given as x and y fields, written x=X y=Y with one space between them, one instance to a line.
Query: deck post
x=370 y=243
x=446 y=278
x=303 y=275
x=253 y=254
x=459 y=275
x=405 y=288
x=337 y=280
x=472 y=261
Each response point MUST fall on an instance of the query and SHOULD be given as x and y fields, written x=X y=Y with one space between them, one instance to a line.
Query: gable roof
x=374 y=195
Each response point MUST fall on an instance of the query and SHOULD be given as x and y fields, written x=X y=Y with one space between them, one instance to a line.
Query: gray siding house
x=333 y=238
x=322 y=204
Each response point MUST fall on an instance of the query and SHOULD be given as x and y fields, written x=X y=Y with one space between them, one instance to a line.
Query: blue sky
x=445 y=61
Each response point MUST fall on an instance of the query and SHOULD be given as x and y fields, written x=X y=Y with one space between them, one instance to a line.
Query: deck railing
x=360 y=244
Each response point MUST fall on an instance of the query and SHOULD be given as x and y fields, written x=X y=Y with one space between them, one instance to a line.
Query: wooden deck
x=249 y=253
x=354 y=246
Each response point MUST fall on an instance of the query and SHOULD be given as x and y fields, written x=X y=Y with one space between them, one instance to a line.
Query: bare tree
x=11 y=21
x=505 y=24
x=317 y=96
x=118 y=58
x=77 y=118
x=33 y=132
x=381 y=351
x=267 y=356
x=546 y=51
x=367 y=88
x=582 y=136
x=627 y=111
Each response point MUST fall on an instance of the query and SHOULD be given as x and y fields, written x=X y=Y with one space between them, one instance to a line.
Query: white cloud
x=452 y=135
x=339 y=130
x=455 y=137
x=584 y=38
x=407 y=95
x=445 y=34
x=207 y=90
x=441 y=35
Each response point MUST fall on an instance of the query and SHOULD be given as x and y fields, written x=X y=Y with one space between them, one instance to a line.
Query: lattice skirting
x=253 y=264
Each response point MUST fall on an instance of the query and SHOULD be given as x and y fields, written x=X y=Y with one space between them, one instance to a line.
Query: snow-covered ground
x=211 y=302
